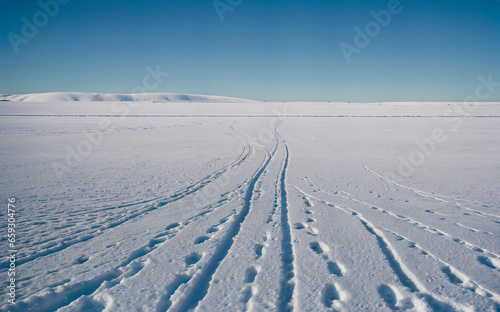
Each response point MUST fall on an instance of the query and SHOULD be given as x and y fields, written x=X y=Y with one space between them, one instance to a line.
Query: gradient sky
x=263 y=50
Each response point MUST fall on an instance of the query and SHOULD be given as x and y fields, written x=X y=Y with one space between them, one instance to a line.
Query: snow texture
x=252 y=206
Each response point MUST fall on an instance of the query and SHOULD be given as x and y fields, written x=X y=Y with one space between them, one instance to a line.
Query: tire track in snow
x=175 y=289
x=455 y=276
x=286 y=296
x=179 y=194
x=180 y=225
x=473 y=230
x=61 y=296
x=433 y=230
x=390 y=181
x=251 y=289
x=172 y=230
x=405 y=276
x=434 y=196
x=72 y=292
x=228 y=197
x=201 y=280
x=161 y=202
x=276 y=192
x=430 y=229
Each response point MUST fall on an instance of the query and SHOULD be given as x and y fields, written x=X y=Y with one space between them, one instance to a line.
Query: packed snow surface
x=252 y=206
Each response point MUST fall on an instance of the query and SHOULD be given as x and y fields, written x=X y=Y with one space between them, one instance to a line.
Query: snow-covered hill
x=81 y=96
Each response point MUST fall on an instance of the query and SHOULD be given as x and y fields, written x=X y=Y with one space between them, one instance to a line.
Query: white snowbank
x=81 y=96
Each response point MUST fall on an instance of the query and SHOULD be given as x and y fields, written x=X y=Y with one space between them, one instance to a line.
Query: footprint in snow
x=172 y=226
x=452 y=277
x=299 y=226
x=259 y=250
x=319 y=247
x=334 y=268
x=488 y=262
x=250 y=275
x=201 y=240
x=394 y=299
x=312 y=231
x=389 y=296
x=192 y=258
x=212 y=229
x=329 y=295
x=81 y=260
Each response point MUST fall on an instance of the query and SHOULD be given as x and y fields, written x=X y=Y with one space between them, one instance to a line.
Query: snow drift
x=81 y=96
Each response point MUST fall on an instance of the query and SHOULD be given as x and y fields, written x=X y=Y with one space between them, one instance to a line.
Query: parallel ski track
x=405 y=276
x=412 y=221
x=61 y=245
x=286 y=296
x=200 y=283
x=437 y=197
x=454 y=273
x=70 y=292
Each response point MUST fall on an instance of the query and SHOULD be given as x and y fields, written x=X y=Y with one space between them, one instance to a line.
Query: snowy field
x=252 y=206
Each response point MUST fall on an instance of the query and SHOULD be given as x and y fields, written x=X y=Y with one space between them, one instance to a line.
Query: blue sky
x=264 y=50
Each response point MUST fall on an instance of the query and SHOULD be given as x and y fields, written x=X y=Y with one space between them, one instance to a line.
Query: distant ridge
x=113 y=97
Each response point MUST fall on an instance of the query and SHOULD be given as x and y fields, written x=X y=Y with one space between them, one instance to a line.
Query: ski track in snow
x=60 y=296
x=68 y=293
x=99 y=230
x=288 y=283
x=199 y=288
x=438 y=197
x=427 y=228
x=298 y=229
x=406 y=277
x=159 y=202
x=456 y=276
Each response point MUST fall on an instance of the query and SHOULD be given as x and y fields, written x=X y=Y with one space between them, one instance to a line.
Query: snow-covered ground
x=82 y=96
x=218 y=206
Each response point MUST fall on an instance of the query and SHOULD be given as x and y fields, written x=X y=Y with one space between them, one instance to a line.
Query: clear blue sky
x=264 y=50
